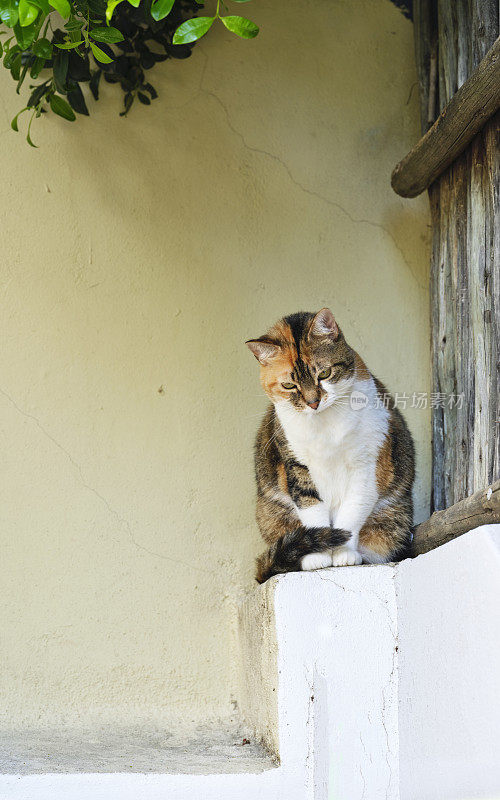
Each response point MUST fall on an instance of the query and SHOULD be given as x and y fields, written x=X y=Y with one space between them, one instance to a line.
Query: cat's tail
x=286 y=554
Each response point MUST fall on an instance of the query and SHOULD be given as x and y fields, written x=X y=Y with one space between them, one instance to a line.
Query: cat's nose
x=313 y=405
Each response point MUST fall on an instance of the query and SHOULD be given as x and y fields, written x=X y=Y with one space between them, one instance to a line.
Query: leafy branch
x=194 y=29
x=88 y=47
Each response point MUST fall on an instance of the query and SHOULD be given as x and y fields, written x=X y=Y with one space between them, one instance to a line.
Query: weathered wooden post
x=458 y=160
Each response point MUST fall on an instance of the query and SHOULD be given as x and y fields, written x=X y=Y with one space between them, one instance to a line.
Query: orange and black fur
x=334 y=479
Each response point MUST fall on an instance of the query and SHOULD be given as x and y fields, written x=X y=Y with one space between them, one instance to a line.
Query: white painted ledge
x=372 y=683
x=403 y=662
x=336 y=659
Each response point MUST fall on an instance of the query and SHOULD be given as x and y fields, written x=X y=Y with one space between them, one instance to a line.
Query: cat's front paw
x=316 y=561
x=345 y=557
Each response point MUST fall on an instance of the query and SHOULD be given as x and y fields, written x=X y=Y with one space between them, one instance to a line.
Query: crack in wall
x=198 y=91
x=310 y=753
x=301 y=186
x=327 y=576
x=364 y=782
x=124 y=523
x=392 y=678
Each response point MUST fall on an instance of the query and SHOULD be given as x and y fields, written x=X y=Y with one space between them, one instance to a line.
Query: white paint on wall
x=267 y=786
x=337 y=722
x=449 y=698
x=328 y=646
x=402 y=662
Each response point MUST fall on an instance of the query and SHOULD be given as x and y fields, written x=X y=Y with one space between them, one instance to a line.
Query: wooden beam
x=481 y=508
x=461 y=119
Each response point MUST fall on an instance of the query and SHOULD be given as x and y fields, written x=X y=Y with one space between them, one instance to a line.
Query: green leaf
x=36 y=67
x=9 y=13
x=77 y=100
x=127 y=102
x=62 y=6
x=13 y=124
x=161 y=9
x=28 y=135
x=61 y=107
x=37 y=94
x=60 y=69
x=74 y=24
x=69 y=45
x=192 y=29
x=27 y=13
x=25 y=36
x=134 y=3
x=15 y=67
x=94 y=83
x=99 y=55
x=241 y=26
x=151 y=89
x=110 y=8
x=107 y=35
x=22 y=77
x=10 y=55
x=43 y=5
x=43 y=48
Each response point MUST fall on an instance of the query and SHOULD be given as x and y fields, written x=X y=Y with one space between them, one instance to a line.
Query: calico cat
x=334 y=459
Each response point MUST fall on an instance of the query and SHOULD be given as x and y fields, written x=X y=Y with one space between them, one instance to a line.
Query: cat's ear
x=263 y=350
x=324 y=324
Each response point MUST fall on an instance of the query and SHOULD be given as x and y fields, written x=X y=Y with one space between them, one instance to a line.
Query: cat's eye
x=322 y=376
x=288 y=385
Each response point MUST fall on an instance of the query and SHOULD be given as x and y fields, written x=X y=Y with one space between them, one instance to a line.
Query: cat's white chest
x=336 y=447
x=326 y=444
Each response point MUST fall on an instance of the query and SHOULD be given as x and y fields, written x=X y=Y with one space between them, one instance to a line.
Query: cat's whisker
x=270 y=441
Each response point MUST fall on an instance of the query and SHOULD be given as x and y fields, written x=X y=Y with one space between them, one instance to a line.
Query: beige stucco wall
x=137 y=256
